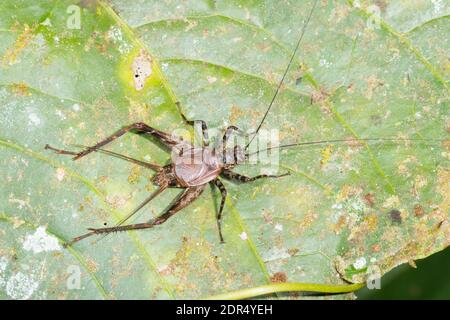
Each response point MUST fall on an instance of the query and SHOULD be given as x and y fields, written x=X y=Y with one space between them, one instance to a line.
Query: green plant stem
x=286 y=287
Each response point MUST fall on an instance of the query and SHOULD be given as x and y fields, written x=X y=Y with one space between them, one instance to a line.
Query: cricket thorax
x=195 y=166
x=166 y=177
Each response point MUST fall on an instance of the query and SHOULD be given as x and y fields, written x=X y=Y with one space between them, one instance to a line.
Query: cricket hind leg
x=187 y=197
x=223 y=193
x=244 y=179
x=140 y=127
x=143 y=204
x=138 y=208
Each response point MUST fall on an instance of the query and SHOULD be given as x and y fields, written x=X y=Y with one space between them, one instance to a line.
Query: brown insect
x=192 y=168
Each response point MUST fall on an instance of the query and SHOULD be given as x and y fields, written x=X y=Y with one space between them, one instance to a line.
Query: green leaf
x=346 y=209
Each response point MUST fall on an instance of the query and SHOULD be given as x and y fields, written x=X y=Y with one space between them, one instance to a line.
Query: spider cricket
x=194 y=167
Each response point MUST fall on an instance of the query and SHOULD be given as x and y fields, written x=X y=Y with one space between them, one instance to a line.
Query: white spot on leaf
x=360 y=263
x=40 y=241
x=60 y=173
x=115 y=34
x=34 y=119
x=3 y=265
x=76 y=107
x=279 y=227
x=211 y=79
x=21 y=286
x=142 y=69
x=275 y=254
x=243 y=236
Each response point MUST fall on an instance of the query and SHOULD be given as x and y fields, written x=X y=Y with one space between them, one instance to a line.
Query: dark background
x=431 y=280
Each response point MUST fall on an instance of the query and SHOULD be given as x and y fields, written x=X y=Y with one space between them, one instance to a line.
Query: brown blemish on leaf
x=180 y=259
x=369 y=199
x=236 y=113
x=142 y=69
x=348 y=191
x=418 y=211
x=381 y=4
x=354 y=143
x=321 y=97
x=267 y=216
x=293 y=251
x=443 y=188
x=278 y=277
x=372 y=84
x=396 y=216
x=264 y=47
x=372 y=221
x=392 y=201
x=368 y=225
x=190 y=24
x=192 y=256
x=307 y=220
x=20 y=89
x=376 y=248
x=339 y=13
x=137 y=110
x=134 y=175
x=91 y=265
x=23 y=40
x=419 y=183
x=255 y=116
x=100 y=40
x=339 y=225
x=116 y=201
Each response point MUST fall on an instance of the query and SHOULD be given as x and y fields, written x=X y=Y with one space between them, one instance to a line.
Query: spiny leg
x=141 y=127
x=149 y=165
x=228 y=132
x=223 y=192
x=144 y=203
x=225 y=138
x=244 y=179
x=187 y=197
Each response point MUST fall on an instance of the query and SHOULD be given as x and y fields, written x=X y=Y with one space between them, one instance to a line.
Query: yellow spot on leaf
x=20 y=89
x=21 y=43
x=326 y=154
x=236 y=113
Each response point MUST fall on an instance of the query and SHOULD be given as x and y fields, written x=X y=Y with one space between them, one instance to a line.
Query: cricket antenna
x=285 y=73
x=308 y=143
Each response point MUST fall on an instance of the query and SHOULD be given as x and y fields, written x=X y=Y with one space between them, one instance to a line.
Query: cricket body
x=192 y=168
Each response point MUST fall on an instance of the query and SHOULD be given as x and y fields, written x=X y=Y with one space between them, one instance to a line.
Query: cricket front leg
x=187 y=197
x=244 y=179
x=192 y=123
x=140 y=127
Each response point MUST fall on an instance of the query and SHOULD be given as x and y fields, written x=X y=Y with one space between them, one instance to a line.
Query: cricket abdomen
x=196 y=166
